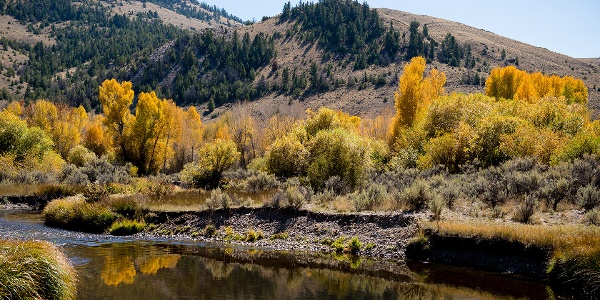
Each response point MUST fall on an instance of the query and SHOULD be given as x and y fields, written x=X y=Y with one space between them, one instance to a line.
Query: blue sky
x=567 y=27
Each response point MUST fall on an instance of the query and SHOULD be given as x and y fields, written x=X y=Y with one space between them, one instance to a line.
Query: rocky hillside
x=335 y=53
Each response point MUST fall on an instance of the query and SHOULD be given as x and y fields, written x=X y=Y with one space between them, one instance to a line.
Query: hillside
x=486 y=48
x=339 y=54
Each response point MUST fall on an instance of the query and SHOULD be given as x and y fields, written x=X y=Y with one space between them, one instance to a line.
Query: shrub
x=592 y=217
x=127 y=206
x=436 y=206
x=126 y=227
x=80 y=155
x=214 y=159
x=337 y=152
x=588 y=197
x=35 y=270
x=209 y=231
x=417 y=195
x=354 y=245
x=370 y=198
x=53 y=191
x=525 y=210
x=253 y=236
x=76 y=214
x=218 y=199
x=95 y=193
x=261 y=181
x=101 y=171
x=71 y=174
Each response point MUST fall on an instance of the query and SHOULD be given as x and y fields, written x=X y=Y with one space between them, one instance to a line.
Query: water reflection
x=159 y=271
x=122 y=268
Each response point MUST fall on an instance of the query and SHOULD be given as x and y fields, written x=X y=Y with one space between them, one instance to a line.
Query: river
x=125 y=268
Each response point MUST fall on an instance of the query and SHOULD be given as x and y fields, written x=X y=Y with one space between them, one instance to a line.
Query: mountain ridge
x=365 y=90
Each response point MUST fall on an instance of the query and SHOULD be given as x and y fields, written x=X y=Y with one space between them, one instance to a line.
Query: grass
x=126 y=227
x=575 y=249
x=75 y=213
x=567 y=239
x=35 y=270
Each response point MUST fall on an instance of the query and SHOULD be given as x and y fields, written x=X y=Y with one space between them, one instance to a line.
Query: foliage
x=512 y=83
x=414 y=94
x=35 y=270
x=126 y=227
x=214 y=159
x=76 y=214
x=218 y=199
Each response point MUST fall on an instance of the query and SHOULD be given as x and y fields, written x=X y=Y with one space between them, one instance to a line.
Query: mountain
x=335 y=53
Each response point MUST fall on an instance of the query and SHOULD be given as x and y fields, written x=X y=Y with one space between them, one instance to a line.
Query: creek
x=129 y=268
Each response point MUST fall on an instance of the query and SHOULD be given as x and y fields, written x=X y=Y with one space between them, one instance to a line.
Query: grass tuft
x=126 y=227
x=35 y=270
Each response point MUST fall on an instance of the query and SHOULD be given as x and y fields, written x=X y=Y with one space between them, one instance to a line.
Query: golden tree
x=116 y=99
x=414 y=94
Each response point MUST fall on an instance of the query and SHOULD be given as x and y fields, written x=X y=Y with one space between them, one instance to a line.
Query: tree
x=414 y=94
x=213 y=159
x=143 y=131
x=116 y=99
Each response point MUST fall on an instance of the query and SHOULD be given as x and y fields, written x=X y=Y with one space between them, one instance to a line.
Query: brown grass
x=563 y=239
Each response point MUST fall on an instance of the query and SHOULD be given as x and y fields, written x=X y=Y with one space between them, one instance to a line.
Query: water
x=124 y=268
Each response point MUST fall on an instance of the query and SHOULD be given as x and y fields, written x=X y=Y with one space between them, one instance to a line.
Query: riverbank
x=375 y=235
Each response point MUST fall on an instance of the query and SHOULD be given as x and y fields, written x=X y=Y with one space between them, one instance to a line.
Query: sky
x=567 y=27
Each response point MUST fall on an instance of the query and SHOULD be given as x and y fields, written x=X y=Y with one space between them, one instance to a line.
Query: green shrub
x=76 y=214
x=253 y=236
x=354 y=245
x=436 y=207
x=592 y=217
x=279 y=236
x=53 y=191
x=35 y=270
x=218 y=199
x=126 y=227
x=417 y=196
x=588 y=197
x=370 y=198
x=261 y=181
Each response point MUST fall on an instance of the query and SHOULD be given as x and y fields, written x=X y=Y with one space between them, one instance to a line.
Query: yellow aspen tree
x=170 y=129
x=142 y=131
x=192 y=133
x=94 y=137
x=14 y=108
x=526 y=90
x=43 y=114
x=413 y=94
x=116 y=99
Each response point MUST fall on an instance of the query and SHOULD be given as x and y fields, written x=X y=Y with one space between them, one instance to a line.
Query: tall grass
x=76 y=214
x=35 y=270
x=575 y=249
x=567 y=239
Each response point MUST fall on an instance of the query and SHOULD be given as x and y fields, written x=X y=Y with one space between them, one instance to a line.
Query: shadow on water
x=122 y=268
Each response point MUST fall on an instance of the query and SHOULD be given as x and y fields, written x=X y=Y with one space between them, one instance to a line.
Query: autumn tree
x=213 y=159
x=116 y=99
x=414 y=94
x=190 y=139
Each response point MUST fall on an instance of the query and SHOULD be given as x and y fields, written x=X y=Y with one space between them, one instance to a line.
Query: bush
x=253 y=236
x=35 y=270
x=592 y=217
x=76 y=214
x=417 y=196
x=525 y=210
x=95 y=193
x=80 y=155
x=73 y=175
x=101 y=171
x=126 y=227
x=214 y=159
x=436 y=206
x=261 y=181
x=588 y=197
x=218 y=199
x=370 y=198
x=354 y=245
x=128 y=206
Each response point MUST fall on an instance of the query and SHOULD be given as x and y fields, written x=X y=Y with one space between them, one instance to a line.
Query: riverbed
x=161 y=268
